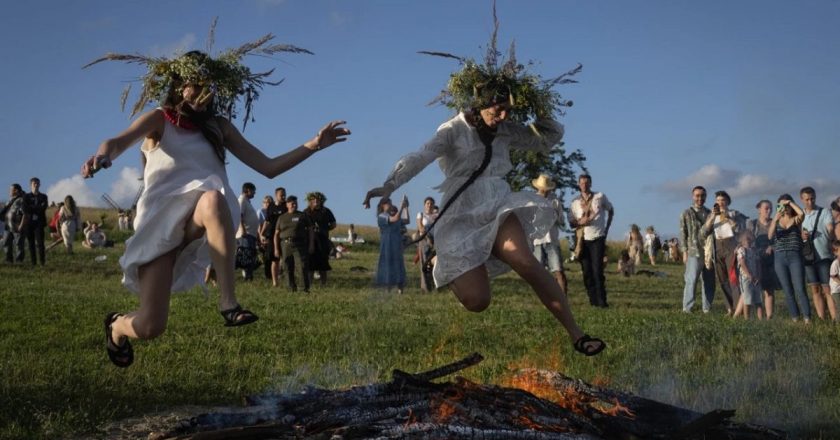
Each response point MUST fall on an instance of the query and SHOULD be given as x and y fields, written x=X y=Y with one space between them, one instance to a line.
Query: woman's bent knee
x=477 y=304
x=213 y=200
x=474 y=301
x=148 y=328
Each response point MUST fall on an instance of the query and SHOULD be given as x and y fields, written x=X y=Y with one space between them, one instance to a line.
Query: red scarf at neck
x=179 y=120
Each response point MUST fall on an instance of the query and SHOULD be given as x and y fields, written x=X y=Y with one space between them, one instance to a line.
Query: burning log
x=542 y=405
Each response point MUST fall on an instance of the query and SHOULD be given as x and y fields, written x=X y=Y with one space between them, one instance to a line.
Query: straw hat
x=544 y=183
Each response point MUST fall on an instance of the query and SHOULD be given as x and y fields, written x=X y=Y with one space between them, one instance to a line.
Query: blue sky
x=739 y=95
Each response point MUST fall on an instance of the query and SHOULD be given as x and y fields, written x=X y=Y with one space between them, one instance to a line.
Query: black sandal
x=582 y=347
x=238 y=316
x=121 y=355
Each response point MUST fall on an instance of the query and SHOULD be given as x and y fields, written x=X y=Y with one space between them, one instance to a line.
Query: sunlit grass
x=58 y=382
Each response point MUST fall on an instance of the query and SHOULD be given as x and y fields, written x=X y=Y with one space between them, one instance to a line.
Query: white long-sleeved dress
x=181 y=168
x=464 y=236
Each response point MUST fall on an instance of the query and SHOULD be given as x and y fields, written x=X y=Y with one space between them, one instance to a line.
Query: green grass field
x=57 y=381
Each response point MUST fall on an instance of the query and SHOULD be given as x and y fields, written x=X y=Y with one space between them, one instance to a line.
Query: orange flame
x=445 y=410
x=532 y=382
x=619 y=409
x=528 y=423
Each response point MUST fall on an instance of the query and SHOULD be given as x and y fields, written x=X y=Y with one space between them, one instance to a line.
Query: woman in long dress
x=188 y=212
x=390 y=270
x=486 y=230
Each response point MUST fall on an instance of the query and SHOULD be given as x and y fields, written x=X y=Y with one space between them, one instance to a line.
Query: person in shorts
x=547 y=248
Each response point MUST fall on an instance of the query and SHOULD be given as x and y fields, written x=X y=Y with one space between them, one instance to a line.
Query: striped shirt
x=788 y=239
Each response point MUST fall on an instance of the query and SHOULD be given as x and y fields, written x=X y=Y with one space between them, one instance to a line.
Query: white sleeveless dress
x=178 y=171
x=464 y=236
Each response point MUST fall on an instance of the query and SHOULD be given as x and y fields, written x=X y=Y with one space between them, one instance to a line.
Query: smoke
x=765 y=383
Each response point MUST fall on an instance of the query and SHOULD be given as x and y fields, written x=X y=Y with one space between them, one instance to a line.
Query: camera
x=780 y=207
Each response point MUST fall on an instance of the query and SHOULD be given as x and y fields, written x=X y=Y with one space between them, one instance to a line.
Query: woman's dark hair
x=429 y=199
x=206 y=120
x=761 y=202
x=835 y=206
x=725 y=195
x=70 y=204
x=785 y=196
x=382 y=202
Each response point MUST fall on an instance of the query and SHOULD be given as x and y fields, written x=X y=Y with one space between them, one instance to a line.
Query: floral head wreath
x=479 y=85
x=224 y=75
x=316 y=195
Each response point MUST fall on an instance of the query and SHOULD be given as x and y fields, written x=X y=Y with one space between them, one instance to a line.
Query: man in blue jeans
x=693 y=245
x=820 y=231
x=246 y=235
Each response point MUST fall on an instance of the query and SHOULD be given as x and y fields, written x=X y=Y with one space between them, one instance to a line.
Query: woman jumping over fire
x=188 y=212
x=483 y=228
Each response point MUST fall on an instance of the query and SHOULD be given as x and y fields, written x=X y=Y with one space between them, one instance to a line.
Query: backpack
x=657 y=244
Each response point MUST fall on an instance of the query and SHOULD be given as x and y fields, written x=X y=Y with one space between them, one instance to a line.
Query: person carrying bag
x=809 y=252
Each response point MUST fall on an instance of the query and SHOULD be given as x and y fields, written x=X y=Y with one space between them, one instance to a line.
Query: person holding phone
x=725 y=223
x=784 y=232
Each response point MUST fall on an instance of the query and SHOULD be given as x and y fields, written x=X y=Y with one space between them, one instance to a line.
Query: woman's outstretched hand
x=94 y=164
x=330 y=134
x=381 y=191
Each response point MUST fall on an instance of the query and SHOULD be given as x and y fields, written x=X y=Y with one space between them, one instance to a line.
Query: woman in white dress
x=188 y=213
x=476 y=235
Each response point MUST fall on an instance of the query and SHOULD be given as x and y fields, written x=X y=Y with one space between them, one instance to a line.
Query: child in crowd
x=834 y=272
x=626 y=265
x=749 y=273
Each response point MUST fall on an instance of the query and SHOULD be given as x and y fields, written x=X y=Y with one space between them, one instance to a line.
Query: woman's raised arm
x=250 y=155
x=150 y=124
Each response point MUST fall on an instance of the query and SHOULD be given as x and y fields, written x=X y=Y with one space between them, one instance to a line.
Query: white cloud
x=73 y=186
x=183 y=45
x=124 y=190
x=741 y=185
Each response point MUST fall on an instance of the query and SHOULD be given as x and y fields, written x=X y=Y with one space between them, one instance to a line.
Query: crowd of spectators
x=786 y=246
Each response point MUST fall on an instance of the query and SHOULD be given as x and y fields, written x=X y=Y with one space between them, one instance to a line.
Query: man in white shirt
x=592 y=212
x=246 y=235
x=818 y=227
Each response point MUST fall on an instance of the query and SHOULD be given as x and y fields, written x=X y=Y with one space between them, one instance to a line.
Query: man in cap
x=547 y=248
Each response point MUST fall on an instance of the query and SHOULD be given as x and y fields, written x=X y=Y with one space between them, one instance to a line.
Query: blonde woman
x=635 y=244
x=69 y=220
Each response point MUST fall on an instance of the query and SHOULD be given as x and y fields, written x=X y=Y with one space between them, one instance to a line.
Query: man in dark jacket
x=37 y=203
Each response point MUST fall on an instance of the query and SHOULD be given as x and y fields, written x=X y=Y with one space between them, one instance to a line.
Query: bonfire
x=536 y=404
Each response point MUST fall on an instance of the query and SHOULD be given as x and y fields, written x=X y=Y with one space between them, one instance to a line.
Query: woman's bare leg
x=275 y=272
x=148 y=321
x=212 y=217
x=512 y=248
x=473 y=289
